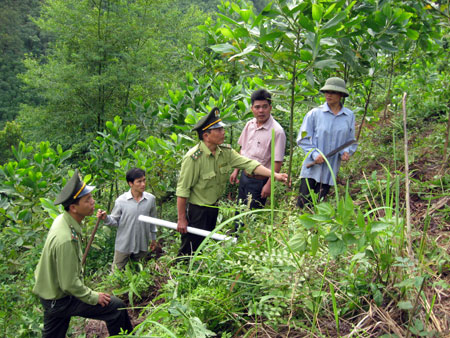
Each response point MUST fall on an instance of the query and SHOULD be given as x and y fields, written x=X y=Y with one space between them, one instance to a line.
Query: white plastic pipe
x=195 y=231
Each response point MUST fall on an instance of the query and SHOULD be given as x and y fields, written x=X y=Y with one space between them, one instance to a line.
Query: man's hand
x=103 y=299
x=101 y=214
x=282 y=177
x=319 y=159
x=345 y=156
x=182 y=225
x=265 y=191
x=154 y=245
x=234 y=176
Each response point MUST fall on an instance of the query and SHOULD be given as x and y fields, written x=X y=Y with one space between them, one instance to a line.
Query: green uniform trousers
x=57 y=314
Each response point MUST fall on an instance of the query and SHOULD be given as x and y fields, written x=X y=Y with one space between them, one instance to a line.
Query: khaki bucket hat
x=335 y=84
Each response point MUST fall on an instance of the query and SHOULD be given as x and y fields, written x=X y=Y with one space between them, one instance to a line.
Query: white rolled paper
x=195 y=231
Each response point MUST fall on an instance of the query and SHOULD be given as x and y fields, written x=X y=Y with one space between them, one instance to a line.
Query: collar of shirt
x=267 y=125
x=206 y=150
x=130 y=196
x=343 y=110
x=72 y=223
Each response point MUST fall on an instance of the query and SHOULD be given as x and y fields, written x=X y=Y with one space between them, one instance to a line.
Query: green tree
x=105 y=53
x=9 y=136
x=295 y=45
x=18 y=35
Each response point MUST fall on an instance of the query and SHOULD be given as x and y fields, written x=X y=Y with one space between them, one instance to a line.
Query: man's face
x=85 y=206
x=138 y=185
x=261 y=111
x=215 y=136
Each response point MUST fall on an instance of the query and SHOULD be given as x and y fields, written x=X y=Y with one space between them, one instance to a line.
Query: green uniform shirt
x=59 y=271
x=203 y=176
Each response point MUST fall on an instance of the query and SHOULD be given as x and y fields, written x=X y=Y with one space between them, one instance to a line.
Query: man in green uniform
x=203 y=177
x=59 y=274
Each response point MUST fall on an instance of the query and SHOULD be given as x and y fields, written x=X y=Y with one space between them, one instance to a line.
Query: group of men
x=205 y=171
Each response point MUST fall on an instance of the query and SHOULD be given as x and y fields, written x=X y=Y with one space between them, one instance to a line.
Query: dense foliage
x=120 y=85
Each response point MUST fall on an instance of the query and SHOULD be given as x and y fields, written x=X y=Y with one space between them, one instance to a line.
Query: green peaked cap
x=74 y=188
x=210 y=121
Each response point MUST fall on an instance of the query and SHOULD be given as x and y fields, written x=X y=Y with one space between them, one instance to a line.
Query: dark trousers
x=198 y=217
x=57 y=314
x=305 y=197
x=252 y=186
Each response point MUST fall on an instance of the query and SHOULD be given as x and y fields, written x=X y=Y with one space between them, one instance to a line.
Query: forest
x=104 y=86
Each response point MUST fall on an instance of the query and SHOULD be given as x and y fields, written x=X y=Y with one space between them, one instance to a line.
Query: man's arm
x=265 y=192
x=69 y=274
x=182 y=219
x=234 y=177
x=263 y=171
x=114 y=218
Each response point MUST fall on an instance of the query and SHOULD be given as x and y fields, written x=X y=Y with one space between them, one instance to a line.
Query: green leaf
x=405 y=305
x=226 y=32
x=378 y=297
x=412 y=34
x=305 y=55
x=224 y=48
x=317 y=12
x=307 y=222
x=330 y=63
x=245 y=14
x=336 y=248
x=190 y=119
x=386 y=46
x=247 y=50
x=331 y=237
x=297 y=243
x=379 y=226
x=270 y=37
x=306 y=23
x=335 y=20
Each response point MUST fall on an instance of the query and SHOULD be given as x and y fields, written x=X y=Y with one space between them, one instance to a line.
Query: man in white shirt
x=133 y=236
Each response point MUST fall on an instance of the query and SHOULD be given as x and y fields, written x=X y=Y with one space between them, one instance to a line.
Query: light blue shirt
x=133 y=235
x=323 y=130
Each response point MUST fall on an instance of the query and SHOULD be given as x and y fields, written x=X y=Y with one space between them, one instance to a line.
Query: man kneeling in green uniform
x=59 y=273
x=203 y=178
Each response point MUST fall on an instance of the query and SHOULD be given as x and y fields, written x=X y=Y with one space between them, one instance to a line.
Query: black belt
x=51 y=303
x=256 y=177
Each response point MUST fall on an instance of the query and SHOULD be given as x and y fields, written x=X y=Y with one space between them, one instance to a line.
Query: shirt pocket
x=225 y=172
x=207 y=180
x=262 y=147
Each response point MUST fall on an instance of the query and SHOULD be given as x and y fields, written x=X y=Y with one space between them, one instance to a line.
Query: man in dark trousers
x=255 y=142
x=59 y=273
x=205 y=171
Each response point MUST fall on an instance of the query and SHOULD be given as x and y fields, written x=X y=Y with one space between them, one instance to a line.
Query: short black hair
x=202 y=132
x=68 y=204
x=261 y=95
x=134 y=174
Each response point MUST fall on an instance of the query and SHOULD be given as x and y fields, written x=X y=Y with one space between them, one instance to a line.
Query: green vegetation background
x=107 y=85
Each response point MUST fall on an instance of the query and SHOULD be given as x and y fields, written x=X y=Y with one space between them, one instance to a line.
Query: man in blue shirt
x=326 y=128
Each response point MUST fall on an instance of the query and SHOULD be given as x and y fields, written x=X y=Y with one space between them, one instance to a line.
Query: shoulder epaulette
x=225 y=145
x=196 y=154
x=74 y=235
